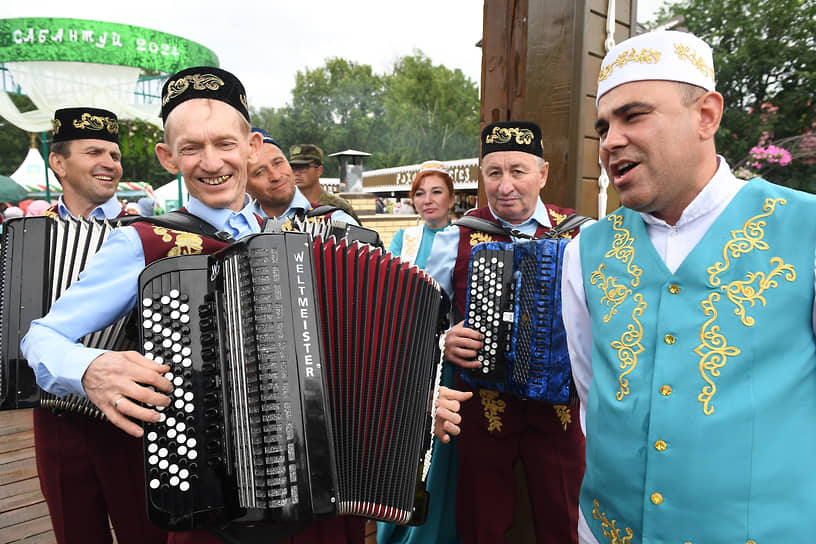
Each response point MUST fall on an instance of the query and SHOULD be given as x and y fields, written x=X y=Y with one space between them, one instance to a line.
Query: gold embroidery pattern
x=243 y=100
x=492 y=408
x=52 y=214
x=186 y=243
x=563 y=413
x=288 y=225
x=558 y=217
x=97 y=122
x=740 y=292
x=623 y=250
x=57 y=124
x=714 y=351
x=200 y=82
x=614 y=294
x=609 y=530
x=503 y=135
x=629 y=346
x=646 y=56
x=744 y=240
x=479 y=237
x=687 y=53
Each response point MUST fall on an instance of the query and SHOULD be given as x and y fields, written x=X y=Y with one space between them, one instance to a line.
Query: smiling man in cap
x=87 y=468
x=498 y=429
x=699 y=421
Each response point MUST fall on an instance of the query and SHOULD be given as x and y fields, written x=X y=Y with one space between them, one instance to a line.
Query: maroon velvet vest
x=159 y=242
x=469 y=238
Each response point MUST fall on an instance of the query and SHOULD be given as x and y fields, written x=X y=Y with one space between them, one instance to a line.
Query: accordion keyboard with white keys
x=514 y=300
x=40 y=259
x=303 y=372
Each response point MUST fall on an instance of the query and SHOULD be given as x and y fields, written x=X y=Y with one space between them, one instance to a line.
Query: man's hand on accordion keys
x=447 y=420
x=117 y=382
x=462 y=344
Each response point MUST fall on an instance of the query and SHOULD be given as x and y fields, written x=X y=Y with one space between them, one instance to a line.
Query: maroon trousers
x=343 y=530
x=553 y=460
x=89 y=470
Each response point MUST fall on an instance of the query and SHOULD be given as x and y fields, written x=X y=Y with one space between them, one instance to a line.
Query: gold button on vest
x=666 y=390
x=669 y=339
x=657 y=498
x=674 y=289
x=660 y=445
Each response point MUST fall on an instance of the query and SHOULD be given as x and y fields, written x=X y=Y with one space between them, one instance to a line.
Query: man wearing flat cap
x=690 y=321
x=498 y=429
x=307 y=164
x=89 y=469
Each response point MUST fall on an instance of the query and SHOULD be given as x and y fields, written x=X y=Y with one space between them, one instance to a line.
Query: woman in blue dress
x=433 y=199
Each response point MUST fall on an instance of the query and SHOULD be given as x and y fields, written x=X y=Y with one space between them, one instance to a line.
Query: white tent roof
x=169 y=191
x=31 y=173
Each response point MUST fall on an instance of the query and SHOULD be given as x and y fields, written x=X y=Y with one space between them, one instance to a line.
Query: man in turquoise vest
x=499 y=430
x=690 y=320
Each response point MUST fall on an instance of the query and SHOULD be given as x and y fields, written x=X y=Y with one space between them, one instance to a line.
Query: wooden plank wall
x=23 y=513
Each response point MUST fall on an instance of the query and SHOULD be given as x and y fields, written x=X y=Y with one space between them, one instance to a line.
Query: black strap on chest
x=180 y=220
x=570 y=222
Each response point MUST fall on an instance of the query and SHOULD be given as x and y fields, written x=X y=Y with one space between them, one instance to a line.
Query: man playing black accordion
x=208 y=140
x=88 y=469
x=497 y=429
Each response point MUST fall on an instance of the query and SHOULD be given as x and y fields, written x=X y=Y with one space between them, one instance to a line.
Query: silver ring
x=117 y=401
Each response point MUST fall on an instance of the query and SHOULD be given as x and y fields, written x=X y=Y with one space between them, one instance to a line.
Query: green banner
x=81 y=40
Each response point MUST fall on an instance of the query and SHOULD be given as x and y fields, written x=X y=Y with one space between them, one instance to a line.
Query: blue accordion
x=514 y=299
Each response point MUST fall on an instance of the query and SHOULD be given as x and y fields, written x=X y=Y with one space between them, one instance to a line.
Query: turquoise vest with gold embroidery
x=701 y=415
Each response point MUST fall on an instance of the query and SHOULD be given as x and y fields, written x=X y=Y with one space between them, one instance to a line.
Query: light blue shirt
x=106 y=290
x=301 y=203
x=107 y=210
x=442 y=259
x=428 y=235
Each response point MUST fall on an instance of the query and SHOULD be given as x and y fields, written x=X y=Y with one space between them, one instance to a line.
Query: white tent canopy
x=170 y=192
x=31 y=173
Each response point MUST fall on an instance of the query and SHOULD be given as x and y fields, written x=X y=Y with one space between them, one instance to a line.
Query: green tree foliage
x=137 y=142
x=765 y=60
x=417 y=112
x=15 y=142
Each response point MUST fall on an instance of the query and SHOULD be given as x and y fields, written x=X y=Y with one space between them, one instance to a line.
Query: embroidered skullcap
x=85 y=124
x=512 y=136
x=666 y=55
x=433 y=166
x=203 y=82
x=267 y=139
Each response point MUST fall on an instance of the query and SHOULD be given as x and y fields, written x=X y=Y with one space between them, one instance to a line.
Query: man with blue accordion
x=499 y=428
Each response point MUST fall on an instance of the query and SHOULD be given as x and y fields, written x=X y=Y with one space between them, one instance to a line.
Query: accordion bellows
x=303 y=371
x=514 y=299
x=41 y=257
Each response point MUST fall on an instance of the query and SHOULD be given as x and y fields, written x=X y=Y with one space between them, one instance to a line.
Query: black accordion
x=324 y=227
x=514 y=300
x=303 y=374
x=40 y=258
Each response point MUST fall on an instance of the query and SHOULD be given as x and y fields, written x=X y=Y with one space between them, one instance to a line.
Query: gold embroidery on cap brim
x=646 y=56
x=199 y=82
x=687 y=53
x=501 y=135
x=97 y=122
x=57 y=125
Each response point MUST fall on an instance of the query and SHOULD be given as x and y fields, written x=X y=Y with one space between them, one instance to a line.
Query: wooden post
x=540 y=62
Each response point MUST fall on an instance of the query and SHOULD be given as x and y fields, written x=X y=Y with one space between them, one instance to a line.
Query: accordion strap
x=323 y=209
x=570 y=222
x=179 y=220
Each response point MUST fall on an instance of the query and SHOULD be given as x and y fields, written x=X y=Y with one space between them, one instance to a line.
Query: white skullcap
x=663 y=55
x=433 y=166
